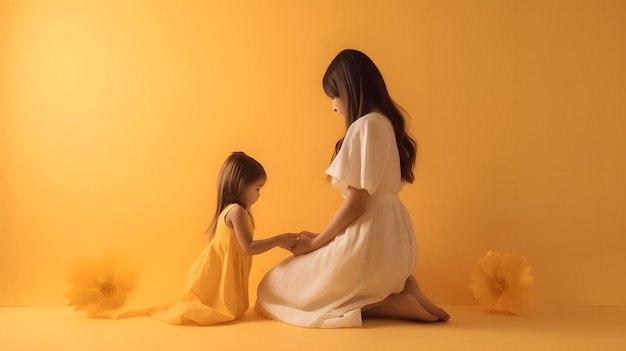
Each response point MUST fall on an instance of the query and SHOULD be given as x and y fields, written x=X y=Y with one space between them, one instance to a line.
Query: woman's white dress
x=374 y=256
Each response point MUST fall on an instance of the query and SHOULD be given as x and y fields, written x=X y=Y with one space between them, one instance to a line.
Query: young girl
x=217 y=284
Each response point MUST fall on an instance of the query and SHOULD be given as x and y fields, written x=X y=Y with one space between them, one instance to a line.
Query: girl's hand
x=287 y=240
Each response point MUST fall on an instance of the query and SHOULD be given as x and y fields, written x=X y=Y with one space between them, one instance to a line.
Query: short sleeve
x=364 y=154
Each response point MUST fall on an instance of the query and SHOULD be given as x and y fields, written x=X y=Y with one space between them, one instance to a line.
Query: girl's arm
x=238 y=218
x=352 y=208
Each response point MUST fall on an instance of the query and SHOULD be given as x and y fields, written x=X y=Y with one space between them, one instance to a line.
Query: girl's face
x=252 y=192
x=337 y=105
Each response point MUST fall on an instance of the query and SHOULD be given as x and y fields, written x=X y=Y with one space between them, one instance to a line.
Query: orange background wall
x=115 y=118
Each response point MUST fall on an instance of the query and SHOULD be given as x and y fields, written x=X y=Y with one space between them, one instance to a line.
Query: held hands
x=287 y=240
x=309 y=235
x=305 y=244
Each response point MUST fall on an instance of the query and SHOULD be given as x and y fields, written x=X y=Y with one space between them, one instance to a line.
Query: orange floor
x=575 y=328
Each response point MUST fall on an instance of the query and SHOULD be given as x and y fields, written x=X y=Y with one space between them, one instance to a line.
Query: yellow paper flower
x=502 y=282
x=100 y=287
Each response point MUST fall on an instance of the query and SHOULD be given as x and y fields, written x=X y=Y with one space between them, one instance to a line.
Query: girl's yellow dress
x=217 y=283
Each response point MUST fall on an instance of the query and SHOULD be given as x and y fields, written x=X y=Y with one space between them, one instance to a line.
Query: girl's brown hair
x=354 y=78
x=238 y=171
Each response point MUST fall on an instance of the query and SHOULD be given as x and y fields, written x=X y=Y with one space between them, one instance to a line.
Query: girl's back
x=217 y=283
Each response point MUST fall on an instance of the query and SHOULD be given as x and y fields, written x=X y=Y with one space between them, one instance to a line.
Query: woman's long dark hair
x=354 y=78
x=238 y=171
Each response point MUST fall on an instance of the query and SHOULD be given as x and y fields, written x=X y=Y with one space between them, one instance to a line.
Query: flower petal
x=479 y=275
x=512 y=267
x=525 y=279
x=113 y=305
x=488 y=298
x=82 y=298
x=490 y=263
x=88 y=277
x=483 y=289
x=513 y=292
x=114 y=301
x=107 y=266
x=516 y=300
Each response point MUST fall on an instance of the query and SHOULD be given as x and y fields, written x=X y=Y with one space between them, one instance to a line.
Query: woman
x=361 y=264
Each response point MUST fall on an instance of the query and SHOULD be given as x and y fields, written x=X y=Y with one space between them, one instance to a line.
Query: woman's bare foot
x=399 y=306
x=412 y=287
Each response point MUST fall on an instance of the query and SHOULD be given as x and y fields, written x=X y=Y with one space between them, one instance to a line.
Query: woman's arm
x=238 y=217
x=352 y=208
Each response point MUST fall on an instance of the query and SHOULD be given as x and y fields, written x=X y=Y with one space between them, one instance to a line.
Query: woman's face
x=337 y=105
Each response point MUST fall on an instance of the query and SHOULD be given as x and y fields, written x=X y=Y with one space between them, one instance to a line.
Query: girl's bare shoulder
x=235 y=213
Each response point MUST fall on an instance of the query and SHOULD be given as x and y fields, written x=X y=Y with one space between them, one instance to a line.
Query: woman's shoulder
x=372 y=120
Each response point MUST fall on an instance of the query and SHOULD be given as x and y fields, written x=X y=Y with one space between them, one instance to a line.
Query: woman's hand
x=305 y=244
x=310 y=235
